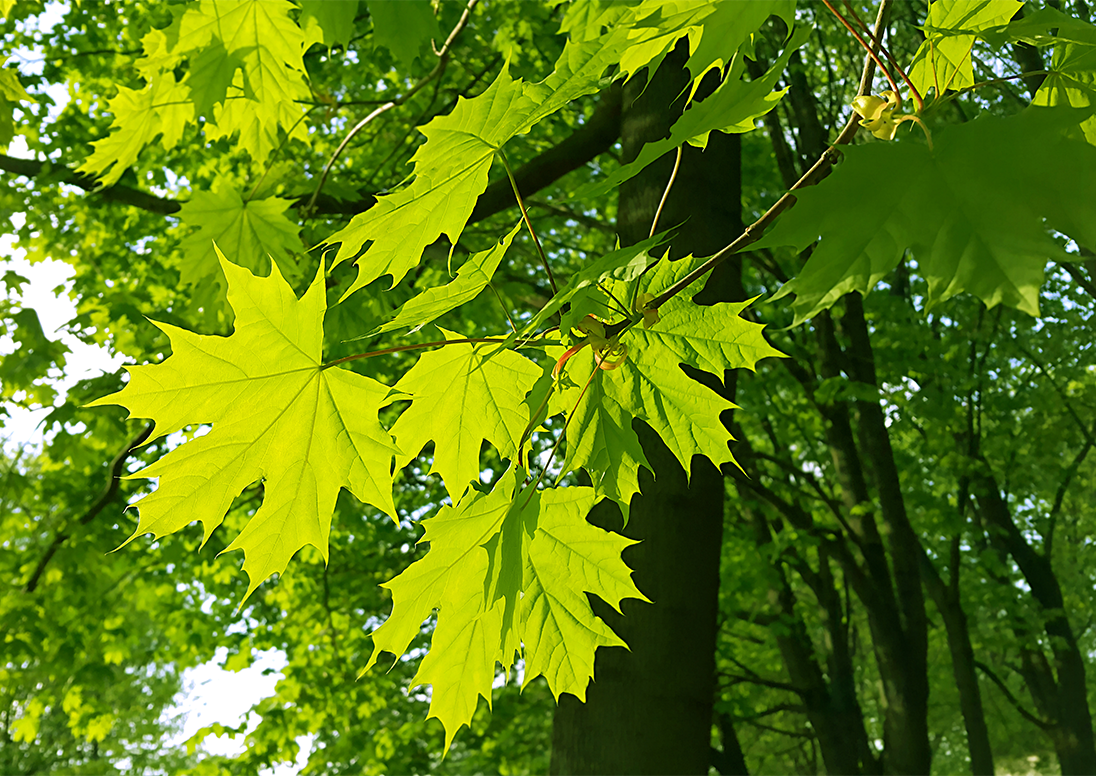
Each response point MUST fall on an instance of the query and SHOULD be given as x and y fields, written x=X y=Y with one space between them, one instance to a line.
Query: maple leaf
x=162 y=108
x=431 y=304
x=731 y=108
x=253 y=232
x=730 y=27
x=684 y=413
x=404 y=27
x=507 y=568
x=334 y=22
x=943 y=61
x=278 y=416
x=972 y=212
x=462 y=395
x=450 y=174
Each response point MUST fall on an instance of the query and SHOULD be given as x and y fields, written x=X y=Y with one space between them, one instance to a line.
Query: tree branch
x=109 y=491
x=1041 y=724
x=590 y=140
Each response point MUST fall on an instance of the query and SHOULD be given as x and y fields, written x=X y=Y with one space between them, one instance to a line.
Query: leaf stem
x=666 y=193
x=752 y=233
x=917 y=96
x=873 y=55
x=559 y=439
x=420 y=346
x=528 y=223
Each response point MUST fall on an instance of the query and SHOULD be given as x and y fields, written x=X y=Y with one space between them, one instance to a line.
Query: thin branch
x=666 y=193
x=1078 y=277
x=439 y=68
x=528 y=224
x=1041 y=724
x=106 y=495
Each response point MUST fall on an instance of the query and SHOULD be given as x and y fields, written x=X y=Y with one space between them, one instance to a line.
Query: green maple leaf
x=1071 y=80
x=450 y=174
x=462 y=395
x=951 y=28
x=246 y=68
x=253 y=232
x=431 y=304
x=403 y=27
x=732 y=24
x=335 y=21
x=162 y=108
x=451 y=168
x=506 y=569
x=972 y=212
x=278 y=416
x=646 y=385
x=732 y=108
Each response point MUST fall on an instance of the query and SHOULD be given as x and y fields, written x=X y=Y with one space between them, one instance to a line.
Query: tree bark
x=649 y=709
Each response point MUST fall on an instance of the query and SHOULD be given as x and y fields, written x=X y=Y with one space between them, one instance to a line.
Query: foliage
x=200 y=148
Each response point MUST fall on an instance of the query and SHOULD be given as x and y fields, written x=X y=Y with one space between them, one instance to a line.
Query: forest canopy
x=570 y=386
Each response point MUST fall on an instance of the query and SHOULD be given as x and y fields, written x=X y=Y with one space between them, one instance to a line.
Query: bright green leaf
x=683 y=412
x=278 y=416
x=523 y=561
x=462 y=395
x=403 y=27
x=971 y=212
x=943 y=60
x=471 y=279
x=335 y=20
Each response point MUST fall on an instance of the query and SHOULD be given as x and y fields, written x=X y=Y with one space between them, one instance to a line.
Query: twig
x=666 y=193
x=439 y=68
x=106 y=495
x=528 y=223
x=419 y=346
x=1041 y=724
x=752 y=233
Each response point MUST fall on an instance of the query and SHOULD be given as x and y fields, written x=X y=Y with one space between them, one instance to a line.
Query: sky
x=210 y=694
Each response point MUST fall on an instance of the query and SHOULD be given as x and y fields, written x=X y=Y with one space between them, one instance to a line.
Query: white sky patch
x=211 y=694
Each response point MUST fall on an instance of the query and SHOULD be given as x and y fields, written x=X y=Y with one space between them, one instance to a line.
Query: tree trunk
x=649 y=709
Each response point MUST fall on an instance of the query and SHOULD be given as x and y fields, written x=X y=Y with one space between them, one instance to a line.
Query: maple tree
x=577 y=388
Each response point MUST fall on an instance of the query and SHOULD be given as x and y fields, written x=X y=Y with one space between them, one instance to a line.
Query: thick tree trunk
x=649 y=710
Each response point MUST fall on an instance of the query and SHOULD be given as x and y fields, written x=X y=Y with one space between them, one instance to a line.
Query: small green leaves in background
x=251 y=231
x=971 y=213
x=243 y=73
x=505 y=569
x=278 y=416
x=11 y=94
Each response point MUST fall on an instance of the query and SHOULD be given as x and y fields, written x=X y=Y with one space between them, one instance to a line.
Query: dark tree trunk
x=649 y=710
x=946 y=598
